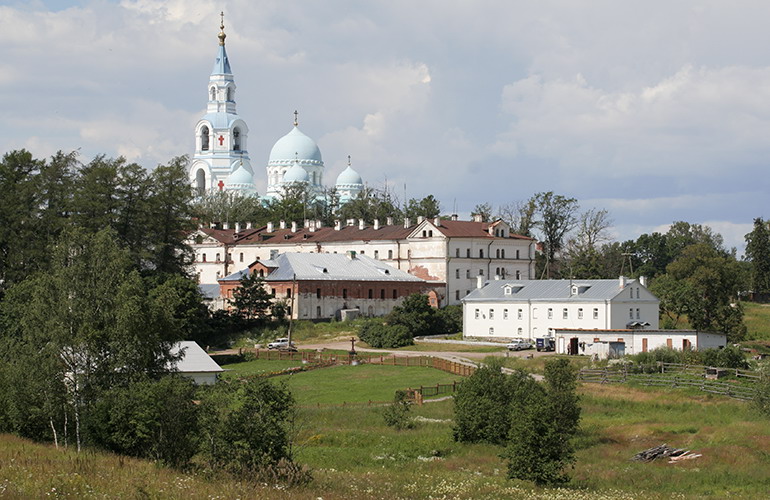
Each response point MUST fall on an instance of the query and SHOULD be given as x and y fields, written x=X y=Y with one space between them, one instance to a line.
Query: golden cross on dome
x=296 y=120
x=348 y=160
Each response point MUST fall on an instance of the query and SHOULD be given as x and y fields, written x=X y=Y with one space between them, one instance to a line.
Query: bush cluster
x=535 y=422
x=413 y=318
x=727 y=357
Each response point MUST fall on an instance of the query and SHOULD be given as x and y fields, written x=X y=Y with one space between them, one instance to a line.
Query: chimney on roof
x=248 y=226
x=319 y=224
x=497 y=277
x=480 y=281
x=282 y=224
x=389 y=221
x=420 y=218
x=225 y=225
x=453 y=217
x=376 y=224
x=437 y=221
x=361 y=224
x=270 y=227
x=237 y=227
x=351 y=222
x=306 y=223
x=351 y=254
x=337 y=224
x=311 y=226
x=643 y=281
x=622 y=282
x=407 y=222
x=293 y=227
x=212 y=225
x=478 y=218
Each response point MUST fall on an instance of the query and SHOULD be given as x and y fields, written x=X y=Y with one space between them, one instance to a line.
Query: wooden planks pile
x=674 y=455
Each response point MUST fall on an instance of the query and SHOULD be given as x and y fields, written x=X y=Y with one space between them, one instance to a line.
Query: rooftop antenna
x=630 y=262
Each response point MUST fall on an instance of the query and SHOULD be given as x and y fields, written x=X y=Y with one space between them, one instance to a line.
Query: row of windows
x=499 y=271
x=564 y=313
x=499 y=253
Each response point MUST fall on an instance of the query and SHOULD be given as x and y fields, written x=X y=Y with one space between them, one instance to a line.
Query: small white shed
x=195 y=363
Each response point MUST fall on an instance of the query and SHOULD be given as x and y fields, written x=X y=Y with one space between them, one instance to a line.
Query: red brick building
x=320 y=286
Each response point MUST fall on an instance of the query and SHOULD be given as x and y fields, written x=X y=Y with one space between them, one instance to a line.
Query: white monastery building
x=221 y=158
x=506 y=309
x=451 y=252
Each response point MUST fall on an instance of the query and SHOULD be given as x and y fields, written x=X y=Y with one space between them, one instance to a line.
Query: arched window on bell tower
x=204 y=138
x=229 y=93
x=236 y=136
x=213 y=93
x=200 y=181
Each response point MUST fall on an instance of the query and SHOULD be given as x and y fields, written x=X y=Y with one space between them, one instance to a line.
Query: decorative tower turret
x=221 y=135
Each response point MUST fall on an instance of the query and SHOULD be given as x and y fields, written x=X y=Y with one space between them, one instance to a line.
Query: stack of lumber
x=674 y=455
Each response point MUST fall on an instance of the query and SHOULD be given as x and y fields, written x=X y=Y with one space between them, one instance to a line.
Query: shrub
x=488 y=400
x=451 y=319
x=379 y=335
x=727 y=357
x=416 y=314
x=396 y=414
x=246 y=427
x=153 y=419
x=540 y=444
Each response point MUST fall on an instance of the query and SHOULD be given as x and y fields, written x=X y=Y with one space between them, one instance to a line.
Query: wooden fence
x=701 y=370
x=669 y=379
x=453 y=367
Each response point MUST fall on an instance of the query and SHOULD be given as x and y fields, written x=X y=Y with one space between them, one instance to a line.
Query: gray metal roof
x=333 y=267
x=195 y=358
x=549 y=290
x=209 y=290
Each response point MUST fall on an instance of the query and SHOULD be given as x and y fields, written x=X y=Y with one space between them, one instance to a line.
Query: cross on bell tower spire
x=222 y=35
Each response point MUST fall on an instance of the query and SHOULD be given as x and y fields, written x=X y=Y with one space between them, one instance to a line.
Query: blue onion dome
x=349 y=176
x=296 y=173
x=240 y=176
x=293 y=145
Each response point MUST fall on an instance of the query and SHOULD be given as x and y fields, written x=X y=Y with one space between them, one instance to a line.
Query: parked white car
x=282 y=343
x=518 y=345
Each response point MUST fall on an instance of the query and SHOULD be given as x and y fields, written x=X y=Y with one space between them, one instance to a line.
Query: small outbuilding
x=616 y=343
x=196 y=363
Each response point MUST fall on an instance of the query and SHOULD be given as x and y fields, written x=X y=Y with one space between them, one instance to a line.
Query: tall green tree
x=371 y=204
x=540 y=444
x=428 y=207
x=556 y=216
x=170 y=218
x=703 y=283
x=758 y=254
x=18 y=216
x=251 y=299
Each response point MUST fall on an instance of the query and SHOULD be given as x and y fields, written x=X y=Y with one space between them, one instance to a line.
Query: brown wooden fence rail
x=462 y=369
x=674 y=380
x=702 y=370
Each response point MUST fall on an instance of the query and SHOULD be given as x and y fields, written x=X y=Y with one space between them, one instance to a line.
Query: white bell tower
x=221 y=135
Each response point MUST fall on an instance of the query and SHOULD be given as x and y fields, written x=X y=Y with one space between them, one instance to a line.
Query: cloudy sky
x=656 y=111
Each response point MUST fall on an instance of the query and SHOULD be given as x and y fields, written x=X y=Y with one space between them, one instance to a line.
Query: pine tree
x=758 y=253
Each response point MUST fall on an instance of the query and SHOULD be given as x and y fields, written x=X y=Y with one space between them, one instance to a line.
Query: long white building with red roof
x=450 y=251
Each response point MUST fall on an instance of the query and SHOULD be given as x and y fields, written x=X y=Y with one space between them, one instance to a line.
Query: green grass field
x=353 y=454
x=257 y=367
x=757 y=320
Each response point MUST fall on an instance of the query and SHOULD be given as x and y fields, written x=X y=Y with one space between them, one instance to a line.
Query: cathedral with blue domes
x=221 y=160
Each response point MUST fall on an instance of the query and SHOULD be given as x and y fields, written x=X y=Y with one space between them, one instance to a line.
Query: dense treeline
x=95 y=290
